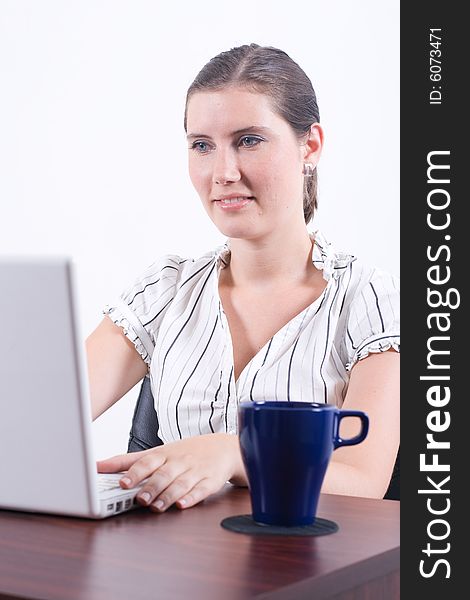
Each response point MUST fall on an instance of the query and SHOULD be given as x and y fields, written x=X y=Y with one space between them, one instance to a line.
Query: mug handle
x=357 y=439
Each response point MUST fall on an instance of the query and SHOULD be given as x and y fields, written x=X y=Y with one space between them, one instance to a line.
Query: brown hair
x=270 y=71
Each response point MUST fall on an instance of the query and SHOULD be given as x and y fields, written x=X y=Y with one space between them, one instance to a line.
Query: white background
x=93 y=158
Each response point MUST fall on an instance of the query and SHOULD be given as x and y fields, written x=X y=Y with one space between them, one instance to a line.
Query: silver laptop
x=47 y=463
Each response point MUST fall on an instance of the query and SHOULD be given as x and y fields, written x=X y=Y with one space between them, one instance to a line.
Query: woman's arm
x=365 y=469
x=114 y=366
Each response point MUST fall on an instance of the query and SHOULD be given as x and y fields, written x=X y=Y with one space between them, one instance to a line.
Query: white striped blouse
x=174 y=317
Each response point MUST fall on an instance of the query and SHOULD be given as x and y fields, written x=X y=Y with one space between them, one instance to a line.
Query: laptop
x=47 y=463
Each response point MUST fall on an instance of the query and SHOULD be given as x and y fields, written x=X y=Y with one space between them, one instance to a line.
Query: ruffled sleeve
x=373 y=323
x=140 y=309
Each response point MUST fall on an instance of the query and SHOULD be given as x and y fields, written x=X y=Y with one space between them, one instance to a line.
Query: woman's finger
x=204 y=488
x=147 y=464
x=178 y=488
x=155 y=488
x=121 y=462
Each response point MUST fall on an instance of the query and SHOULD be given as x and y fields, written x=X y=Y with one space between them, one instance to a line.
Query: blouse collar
x=324 y=256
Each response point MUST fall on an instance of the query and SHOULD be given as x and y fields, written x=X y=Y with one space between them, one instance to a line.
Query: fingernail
x=182 y=502
x=145 y=497
x=126 y=481
x=159 y=504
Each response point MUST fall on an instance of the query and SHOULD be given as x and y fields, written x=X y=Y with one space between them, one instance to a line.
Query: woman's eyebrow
x=252 y=128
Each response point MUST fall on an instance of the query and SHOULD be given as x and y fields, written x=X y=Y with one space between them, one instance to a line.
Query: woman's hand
x=185 y=472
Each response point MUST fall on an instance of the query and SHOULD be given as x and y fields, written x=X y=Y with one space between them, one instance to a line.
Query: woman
x=275 y=313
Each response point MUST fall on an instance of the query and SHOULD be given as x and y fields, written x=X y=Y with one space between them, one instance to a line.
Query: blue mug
x=286 y=448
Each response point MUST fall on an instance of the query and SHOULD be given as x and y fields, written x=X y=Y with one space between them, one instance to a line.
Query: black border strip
x=430 y=127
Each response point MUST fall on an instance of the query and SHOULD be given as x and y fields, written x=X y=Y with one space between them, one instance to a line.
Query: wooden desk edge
x=345 y=580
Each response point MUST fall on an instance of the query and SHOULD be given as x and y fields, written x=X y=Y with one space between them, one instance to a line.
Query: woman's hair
x=269 y=71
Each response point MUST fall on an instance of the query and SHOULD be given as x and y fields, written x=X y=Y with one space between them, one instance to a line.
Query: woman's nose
x=226 y=168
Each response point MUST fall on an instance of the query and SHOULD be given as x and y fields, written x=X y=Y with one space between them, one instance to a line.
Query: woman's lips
x=234 y=203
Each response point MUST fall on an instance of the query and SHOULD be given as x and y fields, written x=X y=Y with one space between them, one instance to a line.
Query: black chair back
x=144 y=429
x=393 y=491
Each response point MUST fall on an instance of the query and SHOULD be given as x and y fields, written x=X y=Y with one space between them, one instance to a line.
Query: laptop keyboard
x=117 y=499
x=105 y=484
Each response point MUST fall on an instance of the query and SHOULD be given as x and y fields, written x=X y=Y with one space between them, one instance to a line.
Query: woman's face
x=245 y=162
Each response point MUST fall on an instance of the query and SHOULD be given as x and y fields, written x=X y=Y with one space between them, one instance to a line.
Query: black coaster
x=245 y=524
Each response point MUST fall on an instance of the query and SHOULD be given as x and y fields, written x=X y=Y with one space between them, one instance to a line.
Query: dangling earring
x=308 y=169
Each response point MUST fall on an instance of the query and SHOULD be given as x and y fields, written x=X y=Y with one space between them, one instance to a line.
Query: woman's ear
x=313 y=144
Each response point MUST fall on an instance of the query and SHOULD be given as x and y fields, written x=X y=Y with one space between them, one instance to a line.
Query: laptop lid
x=46 y=458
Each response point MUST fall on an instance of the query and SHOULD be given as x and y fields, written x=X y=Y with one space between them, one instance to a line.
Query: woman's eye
x=200 y=147
x=248 y=141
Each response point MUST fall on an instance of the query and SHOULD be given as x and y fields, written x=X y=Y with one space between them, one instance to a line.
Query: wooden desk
x=187 y=554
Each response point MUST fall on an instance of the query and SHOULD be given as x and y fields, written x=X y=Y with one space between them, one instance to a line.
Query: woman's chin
x=238 y=232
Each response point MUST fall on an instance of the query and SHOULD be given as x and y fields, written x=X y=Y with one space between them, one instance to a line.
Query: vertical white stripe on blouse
x=174 y=317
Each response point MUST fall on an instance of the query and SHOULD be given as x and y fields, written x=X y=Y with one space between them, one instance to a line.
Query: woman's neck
x=270 y=262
